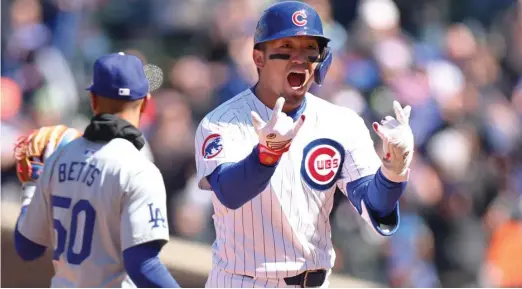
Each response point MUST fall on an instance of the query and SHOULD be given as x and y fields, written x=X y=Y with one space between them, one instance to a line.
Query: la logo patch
x=156 y=217
x=322 y=163
x=299 y=18
x=212 y=146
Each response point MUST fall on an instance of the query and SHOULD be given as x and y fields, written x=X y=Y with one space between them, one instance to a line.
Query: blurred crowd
x=457 y=63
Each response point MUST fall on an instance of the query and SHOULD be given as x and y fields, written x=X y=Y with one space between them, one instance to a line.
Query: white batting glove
x=398 y=143
x=275 y=136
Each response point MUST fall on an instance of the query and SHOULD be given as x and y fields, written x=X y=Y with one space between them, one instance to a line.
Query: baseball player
x=274 y=154
x=99 y=203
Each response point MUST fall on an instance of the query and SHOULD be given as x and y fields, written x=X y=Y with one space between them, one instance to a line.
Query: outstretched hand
x=276 y=135
x=398 y=143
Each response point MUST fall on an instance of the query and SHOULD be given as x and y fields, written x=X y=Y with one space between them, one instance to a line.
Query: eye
x=286 y=45
x=312 y=47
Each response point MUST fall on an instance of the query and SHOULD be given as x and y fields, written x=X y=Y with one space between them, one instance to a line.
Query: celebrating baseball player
x=98 y=202
x=274 y=154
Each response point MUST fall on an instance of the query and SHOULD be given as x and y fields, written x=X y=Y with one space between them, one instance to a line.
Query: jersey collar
x=294 y=114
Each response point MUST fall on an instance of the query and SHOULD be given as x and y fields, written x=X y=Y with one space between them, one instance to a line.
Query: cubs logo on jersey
x=322 y=162
x=212 y=146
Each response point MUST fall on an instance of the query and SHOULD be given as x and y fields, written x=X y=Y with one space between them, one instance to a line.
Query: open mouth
x=296 y=79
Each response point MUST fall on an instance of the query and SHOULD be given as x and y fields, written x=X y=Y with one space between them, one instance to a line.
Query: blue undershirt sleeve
x=381 y=197
x=383 y=194
x=237 y=183
x=25 y=248
x=144 y=267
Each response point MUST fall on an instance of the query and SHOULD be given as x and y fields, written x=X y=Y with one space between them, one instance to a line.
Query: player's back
x=86 y=188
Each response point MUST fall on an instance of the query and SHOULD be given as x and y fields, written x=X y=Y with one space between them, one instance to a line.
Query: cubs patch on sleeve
x=212 y=146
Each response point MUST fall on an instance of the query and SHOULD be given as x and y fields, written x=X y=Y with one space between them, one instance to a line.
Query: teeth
x=295 y=71
x=298 y=87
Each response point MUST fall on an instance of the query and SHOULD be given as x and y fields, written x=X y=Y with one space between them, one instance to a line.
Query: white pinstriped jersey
x=285 y=230
x=93 y=201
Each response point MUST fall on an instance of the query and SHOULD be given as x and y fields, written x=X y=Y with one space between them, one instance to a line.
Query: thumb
x=380 y=131
x=257 y=121
x=298 y=124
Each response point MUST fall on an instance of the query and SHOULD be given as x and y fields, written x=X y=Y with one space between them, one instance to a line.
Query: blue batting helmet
x=294 y=18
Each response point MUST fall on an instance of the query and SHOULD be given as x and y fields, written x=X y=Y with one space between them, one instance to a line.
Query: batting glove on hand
x=398 y=143
x=275 y=136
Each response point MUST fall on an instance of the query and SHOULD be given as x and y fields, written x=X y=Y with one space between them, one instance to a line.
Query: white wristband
x=394 y=177
x=28 y=193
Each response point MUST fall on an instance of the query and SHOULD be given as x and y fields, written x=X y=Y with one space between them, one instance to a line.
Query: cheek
x=277 y=72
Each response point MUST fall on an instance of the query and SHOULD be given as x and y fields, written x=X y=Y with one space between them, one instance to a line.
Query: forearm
x=237 y=183
x=28 y=190
x=144 y=267
x=25 y=248
x=380 y=194
x=383 y=194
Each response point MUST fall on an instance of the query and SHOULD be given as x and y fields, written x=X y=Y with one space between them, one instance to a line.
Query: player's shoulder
x=62 y=151
x=228 y=109
x=129 y=167
x=124 y=154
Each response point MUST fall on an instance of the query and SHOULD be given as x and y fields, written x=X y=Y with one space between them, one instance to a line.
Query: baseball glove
x=33 y=150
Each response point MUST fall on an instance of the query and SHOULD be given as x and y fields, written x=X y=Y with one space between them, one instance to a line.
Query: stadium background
x=457 y=63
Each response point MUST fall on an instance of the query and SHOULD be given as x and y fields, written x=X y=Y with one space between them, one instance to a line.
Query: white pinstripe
x=285 y=230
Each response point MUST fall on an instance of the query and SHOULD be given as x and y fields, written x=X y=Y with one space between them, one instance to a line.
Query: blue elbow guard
x=358 y=193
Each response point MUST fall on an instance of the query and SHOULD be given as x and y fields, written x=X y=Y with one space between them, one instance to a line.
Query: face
x=291 y=77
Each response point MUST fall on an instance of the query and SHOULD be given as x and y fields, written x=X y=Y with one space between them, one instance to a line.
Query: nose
x=299 y=57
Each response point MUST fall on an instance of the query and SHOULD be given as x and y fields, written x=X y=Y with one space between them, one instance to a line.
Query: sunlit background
x=456 y=62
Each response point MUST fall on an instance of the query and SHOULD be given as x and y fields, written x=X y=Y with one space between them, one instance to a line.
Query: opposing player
x=98 y=201
x=274 y=154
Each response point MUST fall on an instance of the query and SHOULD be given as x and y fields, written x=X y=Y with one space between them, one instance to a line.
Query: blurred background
x=457 y=63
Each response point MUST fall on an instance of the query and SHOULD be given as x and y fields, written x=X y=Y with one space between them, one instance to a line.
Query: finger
x=298 y=124
x=407 y=112
x=392 y=152
x=278 y=107
x=257 y=120
x=399 y=113
x=380 y=130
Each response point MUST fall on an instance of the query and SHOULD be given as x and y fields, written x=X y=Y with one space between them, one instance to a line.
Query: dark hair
x=260 y=46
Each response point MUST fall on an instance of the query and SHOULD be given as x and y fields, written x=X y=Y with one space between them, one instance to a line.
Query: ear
x=145 y=103
x=94 y=103
x=259 y=58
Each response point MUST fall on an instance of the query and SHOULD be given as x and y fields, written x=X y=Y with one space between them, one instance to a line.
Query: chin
x=295 y=97
x=298 y=83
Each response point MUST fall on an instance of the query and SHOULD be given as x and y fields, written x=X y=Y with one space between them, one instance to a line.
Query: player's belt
x=307 y=279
